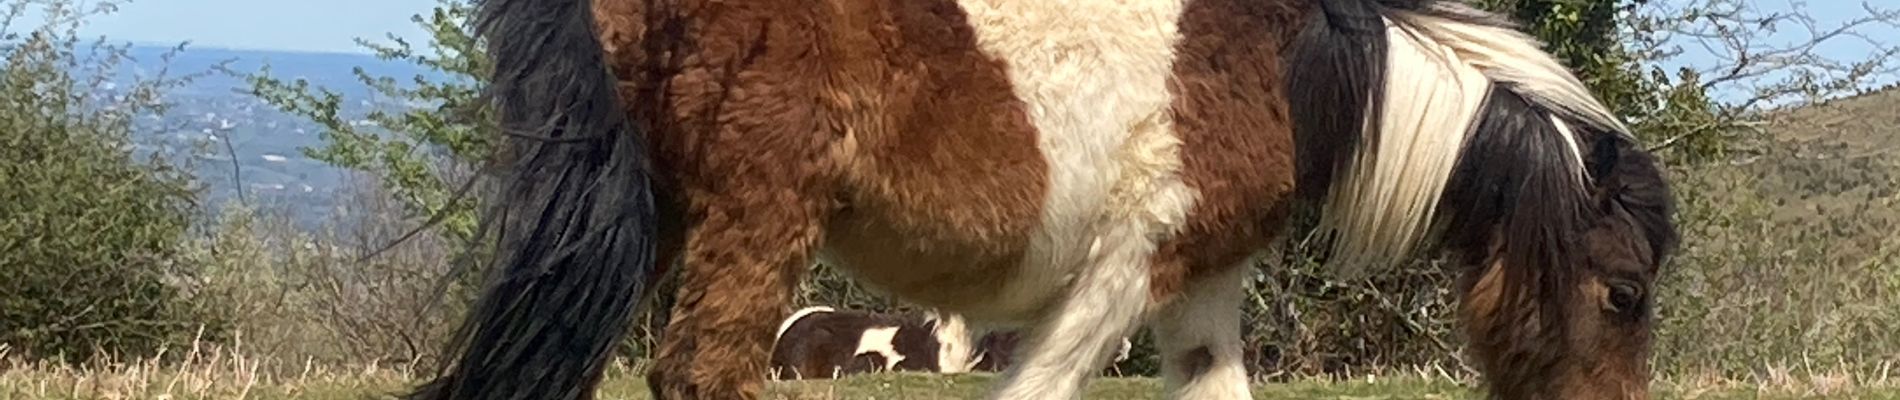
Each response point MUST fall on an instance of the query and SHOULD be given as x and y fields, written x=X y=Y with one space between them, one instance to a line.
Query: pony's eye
x=1625 y=296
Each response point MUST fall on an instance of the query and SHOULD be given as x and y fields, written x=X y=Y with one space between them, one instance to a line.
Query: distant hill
x=1832 y=172
x=267 y=142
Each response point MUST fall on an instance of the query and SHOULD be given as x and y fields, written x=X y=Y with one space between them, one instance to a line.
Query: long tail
x=575 y=214
x=1402 y=104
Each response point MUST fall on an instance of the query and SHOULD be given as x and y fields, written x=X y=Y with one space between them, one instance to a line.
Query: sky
x=294 y=25
x=1827 y=15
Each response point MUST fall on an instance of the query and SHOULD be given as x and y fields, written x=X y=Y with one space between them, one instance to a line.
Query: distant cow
x=822 y=342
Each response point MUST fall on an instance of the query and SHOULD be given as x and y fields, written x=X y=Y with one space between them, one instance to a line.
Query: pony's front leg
x=1198 y=335
x=743 y=259
x=1078 y=336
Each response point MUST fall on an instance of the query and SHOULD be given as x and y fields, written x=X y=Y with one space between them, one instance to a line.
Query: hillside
x=1834 y=169
x=270 y=166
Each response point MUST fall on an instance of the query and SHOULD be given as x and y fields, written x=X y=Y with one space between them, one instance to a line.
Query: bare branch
x=1770 y=58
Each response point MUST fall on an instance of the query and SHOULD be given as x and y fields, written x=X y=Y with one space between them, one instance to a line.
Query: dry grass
x=311 y=295
x=203 y=371
x=212 y=372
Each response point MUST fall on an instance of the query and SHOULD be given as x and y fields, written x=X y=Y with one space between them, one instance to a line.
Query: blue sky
x=300 y=25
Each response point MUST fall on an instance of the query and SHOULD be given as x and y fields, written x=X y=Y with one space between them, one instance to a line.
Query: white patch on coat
x=1206 y=315
x=883 y=342
x=1093 y=76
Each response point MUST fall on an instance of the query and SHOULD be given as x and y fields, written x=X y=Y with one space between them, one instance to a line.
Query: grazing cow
x=822 y=342
x=1080 y=169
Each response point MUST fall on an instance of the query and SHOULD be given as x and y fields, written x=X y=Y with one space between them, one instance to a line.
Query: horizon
x=198 y=46
x=331 y=27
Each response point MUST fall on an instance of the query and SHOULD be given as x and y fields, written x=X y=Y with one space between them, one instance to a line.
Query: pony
x=822 y=342
x=1072 y=169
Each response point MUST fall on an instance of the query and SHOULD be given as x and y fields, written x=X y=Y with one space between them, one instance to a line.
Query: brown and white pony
x=1076 y=169
x=823 y=343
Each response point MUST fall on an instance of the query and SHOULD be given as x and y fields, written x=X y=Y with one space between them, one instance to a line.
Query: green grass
x=222 y=377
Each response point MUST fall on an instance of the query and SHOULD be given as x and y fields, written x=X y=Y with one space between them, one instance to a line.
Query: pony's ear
x=1606 y=150
x=1604 y=154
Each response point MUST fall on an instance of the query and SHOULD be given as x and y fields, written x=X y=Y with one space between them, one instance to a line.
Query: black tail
x=1337 y=72
x=575 y=214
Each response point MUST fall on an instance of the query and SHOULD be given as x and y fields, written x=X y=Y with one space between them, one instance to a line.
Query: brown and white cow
x=822 y=342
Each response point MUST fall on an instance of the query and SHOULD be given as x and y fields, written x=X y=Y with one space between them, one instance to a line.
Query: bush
x=421 y=155
x=89 y=233
x=312 y=296
x=423 y=165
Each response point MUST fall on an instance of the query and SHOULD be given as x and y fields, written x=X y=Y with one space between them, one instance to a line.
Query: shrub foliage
x=89 y=231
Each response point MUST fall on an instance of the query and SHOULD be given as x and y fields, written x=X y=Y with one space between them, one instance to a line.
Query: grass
x=211 y=373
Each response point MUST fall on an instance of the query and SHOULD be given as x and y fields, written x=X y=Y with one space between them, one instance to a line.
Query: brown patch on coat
x=745 y=79
x=622 y=26
x=1237 y=140
x=943 y=180
x=771 y=120
x=1483 y=293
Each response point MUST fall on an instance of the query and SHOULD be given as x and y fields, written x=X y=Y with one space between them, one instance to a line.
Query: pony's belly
x=986 y=281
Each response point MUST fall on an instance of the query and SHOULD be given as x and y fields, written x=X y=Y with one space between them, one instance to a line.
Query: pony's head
x=1419 y=119
x=1558 y=300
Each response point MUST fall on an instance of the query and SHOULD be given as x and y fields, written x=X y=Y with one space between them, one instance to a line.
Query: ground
x=973 y=386
x=134 y=382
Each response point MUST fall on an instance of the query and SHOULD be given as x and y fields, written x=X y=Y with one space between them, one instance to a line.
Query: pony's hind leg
x=742 y=261
x=1198 y=335
x=742 y=130
x=754 y=220
x=1076 y=338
